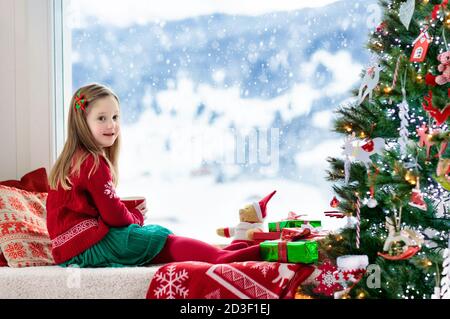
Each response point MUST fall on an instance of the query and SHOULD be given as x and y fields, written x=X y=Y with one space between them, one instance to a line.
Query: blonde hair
x=80 y=142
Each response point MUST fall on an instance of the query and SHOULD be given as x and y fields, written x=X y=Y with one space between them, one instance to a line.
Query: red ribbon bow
x=436 y=9
x=80 y=102
x=289 y=235
x=294 y=234
x=291 y=216
x=294 y=216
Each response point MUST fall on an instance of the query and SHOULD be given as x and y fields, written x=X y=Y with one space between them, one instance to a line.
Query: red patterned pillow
x=24 y=238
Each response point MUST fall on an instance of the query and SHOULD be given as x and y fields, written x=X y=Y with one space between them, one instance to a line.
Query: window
x=222 y=102
x=418 y=53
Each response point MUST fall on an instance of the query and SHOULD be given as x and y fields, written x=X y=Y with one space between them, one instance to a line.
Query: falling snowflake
x=170 y=283
x=110 y=191
x=264 y=267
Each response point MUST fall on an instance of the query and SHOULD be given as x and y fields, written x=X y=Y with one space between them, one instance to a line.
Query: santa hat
x=416 y=200
x=260 y=207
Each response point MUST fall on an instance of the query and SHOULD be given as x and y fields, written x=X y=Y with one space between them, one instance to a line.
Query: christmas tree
x=392 y=181
x=444 y=290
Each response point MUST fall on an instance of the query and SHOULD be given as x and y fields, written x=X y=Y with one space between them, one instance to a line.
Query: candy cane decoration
x=394 y=80
x=358 y=217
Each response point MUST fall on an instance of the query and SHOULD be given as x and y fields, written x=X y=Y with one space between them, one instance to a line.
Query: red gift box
x=262 y=236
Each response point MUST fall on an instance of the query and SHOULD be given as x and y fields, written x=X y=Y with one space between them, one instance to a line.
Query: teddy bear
x=443 y=67
x=251 y=219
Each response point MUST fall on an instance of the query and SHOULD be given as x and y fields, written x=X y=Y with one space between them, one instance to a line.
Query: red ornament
x=417 y=199
x=334 y=202
x=381 y=27
x=424 y=141
x=439 y=115
x=333 y=213
x=430 y=79
x=369 y=146
x=420 y=48
x=437 y=8
x=410 y=252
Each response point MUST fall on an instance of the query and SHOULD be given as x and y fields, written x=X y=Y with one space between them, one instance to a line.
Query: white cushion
x=57 y=282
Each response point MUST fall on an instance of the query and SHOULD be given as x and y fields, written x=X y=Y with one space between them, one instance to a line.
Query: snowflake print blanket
x=237 y=280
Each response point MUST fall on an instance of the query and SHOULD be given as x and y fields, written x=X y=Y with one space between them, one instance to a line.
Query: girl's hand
x=142 y=208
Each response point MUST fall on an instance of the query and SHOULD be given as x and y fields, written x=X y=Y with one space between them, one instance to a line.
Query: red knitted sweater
x=80 y=217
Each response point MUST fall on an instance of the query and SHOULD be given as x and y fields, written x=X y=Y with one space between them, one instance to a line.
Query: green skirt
x=133 y=245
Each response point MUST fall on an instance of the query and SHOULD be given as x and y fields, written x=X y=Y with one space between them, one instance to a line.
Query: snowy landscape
x=219 y=109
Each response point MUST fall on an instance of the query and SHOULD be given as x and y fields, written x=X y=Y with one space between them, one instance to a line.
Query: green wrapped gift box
x=277 y=226
x=302 y=251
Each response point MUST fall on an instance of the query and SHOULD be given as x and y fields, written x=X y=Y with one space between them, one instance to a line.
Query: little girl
x=88 y=224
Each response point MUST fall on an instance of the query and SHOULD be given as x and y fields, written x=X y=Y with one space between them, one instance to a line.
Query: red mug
x=133 y=202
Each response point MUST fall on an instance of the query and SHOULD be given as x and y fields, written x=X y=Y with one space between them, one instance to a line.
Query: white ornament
x=348 y=146
x=445 y=281
x=347 y=165
x=403 y=109
x=352 y=148
x=369 y=82
x=408 y=236
x=348 y=151
x=372 y=203
x=406 y=12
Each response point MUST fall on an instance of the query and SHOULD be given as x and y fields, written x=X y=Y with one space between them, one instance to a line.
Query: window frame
x=62 y=73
